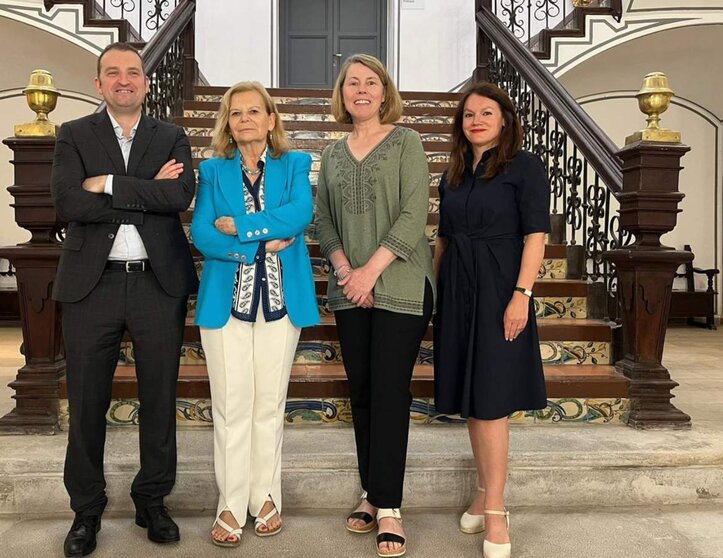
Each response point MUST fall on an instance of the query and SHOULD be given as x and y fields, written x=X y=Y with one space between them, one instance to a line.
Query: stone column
x=37 y=383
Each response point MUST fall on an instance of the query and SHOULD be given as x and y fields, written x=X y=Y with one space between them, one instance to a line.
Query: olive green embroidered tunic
x=381 y=200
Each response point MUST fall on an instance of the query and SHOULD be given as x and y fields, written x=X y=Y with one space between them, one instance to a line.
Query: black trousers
x=93 y=329
x=380 y=350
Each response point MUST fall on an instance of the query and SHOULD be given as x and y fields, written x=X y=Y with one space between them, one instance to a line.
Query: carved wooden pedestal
x=37 y=383
x=645 y=271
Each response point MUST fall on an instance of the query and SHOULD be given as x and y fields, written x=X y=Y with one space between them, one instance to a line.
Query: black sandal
x=390 y=537
x=369 y=520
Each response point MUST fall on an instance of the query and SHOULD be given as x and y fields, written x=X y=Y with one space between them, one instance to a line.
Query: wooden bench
x=691 y=304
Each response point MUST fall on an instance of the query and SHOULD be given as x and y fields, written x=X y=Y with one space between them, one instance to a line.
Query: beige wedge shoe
x=495 y=550
x=472 y=524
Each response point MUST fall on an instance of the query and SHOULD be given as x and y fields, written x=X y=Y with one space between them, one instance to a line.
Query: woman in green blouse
x=372 y=203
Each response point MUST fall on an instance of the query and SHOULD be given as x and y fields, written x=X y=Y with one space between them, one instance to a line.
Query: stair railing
x=138 y=20
x=585 y=174
x=169 y=59
x=527 y=18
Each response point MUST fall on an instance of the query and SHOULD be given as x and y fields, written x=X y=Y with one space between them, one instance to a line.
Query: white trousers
x=249 y=365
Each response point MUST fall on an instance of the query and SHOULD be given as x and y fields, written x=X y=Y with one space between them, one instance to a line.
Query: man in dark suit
x=120 y=178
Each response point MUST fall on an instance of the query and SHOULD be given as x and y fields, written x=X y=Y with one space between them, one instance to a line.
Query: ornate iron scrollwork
x=576 y=189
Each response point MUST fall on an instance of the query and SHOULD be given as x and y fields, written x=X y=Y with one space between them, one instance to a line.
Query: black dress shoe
x=80 y=540
x=161 y=528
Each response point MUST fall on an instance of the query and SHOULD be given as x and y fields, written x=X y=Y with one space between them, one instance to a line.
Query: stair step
x=330 y=381
x=297 y=108
x=276 y=93
x=562 y=329
x=207 y=125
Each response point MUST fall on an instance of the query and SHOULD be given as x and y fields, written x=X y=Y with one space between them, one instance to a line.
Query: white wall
x=430 y=49
x=73 y=69
x=234 y=40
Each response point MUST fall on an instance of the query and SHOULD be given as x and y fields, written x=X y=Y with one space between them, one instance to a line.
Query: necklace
x=247 y=170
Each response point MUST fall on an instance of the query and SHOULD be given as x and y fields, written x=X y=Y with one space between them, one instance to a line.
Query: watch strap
x=524 y=291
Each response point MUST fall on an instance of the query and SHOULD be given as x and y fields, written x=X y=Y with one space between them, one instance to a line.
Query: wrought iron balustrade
x=145 y=17
x=527 y=18
x=585 y=175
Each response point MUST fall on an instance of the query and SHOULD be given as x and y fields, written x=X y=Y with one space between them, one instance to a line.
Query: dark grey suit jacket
x=88 y=147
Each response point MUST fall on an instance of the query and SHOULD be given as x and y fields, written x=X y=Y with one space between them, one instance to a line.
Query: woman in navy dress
x=494 y=213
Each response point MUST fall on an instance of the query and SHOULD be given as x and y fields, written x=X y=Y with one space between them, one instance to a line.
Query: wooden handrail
x=590 y=139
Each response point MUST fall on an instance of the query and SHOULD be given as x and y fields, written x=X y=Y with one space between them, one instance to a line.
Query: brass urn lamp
x=654 y=99
x=42 y=97
x=581 y=3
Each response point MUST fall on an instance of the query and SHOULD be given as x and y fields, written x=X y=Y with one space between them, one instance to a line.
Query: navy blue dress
x=477 y=373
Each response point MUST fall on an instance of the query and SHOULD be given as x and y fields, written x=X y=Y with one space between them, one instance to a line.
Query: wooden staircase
x=576 y=346
x=574 y=25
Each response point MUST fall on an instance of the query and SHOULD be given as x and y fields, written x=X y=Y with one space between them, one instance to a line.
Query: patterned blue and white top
x=259 y=281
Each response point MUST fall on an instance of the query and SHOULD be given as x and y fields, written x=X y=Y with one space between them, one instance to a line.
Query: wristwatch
x=524 y=291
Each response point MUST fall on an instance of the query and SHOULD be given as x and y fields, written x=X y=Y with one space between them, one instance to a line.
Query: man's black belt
x=130 y=266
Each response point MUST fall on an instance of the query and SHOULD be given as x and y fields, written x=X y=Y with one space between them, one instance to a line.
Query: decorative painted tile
x=436 y=137
x=561 y=307
x=433 y=205
x=553 y=269
x=583 y=411
x=426 y=119
x=438 y=157
x=321 y=267
x=317 y=352
x=192 y=412
x=558 y=411
x=199 y=113
x=429 y=103
x=575 y=352
x=199 y=152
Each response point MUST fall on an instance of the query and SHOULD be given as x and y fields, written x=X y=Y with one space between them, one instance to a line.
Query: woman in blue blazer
x=257 y=292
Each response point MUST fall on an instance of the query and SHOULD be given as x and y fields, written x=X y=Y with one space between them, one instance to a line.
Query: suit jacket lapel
x=144 y=135
x=103 y=129
x=231 y=184
x=275 y=181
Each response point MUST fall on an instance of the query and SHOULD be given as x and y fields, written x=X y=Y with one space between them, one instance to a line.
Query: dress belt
x=130 y=266
x=463 y=245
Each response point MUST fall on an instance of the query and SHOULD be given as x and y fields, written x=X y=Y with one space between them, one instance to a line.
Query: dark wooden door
x=317 y=35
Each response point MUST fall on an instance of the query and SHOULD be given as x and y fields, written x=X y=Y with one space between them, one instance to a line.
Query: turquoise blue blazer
x=288 y=211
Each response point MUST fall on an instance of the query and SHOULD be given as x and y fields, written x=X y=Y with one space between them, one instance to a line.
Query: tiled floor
x=694 y=357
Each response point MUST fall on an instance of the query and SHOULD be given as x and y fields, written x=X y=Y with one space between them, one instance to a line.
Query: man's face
x=122 y=83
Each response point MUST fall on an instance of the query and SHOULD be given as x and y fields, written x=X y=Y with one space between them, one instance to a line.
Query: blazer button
x=236 y=255
x=257 y=233
x=265 y=231
x=249 y=234
x=111 y=236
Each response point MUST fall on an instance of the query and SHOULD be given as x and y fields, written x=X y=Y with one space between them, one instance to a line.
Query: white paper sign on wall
x=412 y=4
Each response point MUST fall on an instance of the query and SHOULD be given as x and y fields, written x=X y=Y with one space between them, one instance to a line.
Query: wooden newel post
x=37 y=383
x=645 y=270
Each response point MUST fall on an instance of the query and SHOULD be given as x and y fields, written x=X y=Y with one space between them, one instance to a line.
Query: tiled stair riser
x=545 y=307
x=326 y=101
x=324 y=117
x=329 y=352
x=336 y=412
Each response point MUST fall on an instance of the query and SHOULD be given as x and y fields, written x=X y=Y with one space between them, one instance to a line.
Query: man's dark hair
x=125 y=47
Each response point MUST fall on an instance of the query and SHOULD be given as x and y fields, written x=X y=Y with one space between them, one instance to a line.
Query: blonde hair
x=391 y=110
x=221 y=138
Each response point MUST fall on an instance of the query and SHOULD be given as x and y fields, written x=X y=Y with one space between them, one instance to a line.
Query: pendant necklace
x=247 y=170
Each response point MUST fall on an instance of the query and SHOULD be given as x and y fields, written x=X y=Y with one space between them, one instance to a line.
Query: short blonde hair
x=221 y=138
x=392 y=106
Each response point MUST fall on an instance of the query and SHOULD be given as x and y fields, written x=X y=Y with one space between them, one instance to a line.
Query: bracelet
x=341 y=268
x=524 y=291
